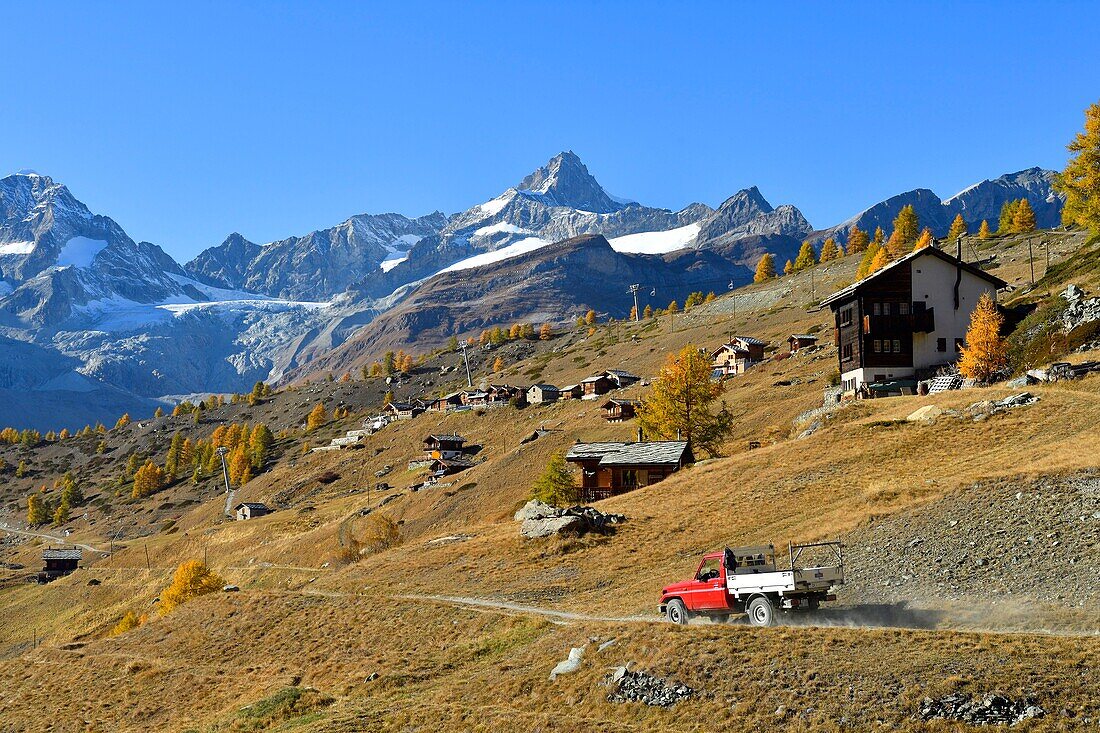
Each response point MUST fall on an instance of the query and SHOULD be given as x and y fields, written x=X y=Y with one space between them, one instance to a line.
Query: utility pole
x=1031 y=260
x=634 y=291
x=222 y=451
x=466 y=358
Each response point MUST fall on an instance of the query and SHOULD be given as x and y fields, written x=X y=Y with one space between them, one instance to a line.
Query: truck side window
x=708 y=571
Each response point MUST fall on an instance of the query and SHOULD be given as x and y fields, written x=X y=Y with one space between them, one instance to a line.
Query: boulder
x=570 y=664
x=535 y=528
x=928 y=413
x=1072 y=293
x=536 y=509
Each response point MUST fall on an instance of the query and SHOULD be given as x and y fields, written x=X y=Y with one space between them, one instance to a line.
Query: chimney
x=639 y=435
x=959 y=248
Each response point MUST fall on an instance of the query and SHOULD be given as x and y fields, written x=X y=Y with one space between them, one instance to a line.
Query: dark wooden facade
x=882 y=311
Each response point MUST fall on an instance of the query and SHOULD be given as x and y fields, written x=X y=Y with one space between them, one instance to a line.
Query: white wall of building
x=934 y=283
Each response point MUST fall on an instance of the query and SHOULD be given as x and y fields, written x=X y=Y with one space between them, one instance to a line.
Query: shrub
x=381 y=533
x=192 y=579
x=129 y=621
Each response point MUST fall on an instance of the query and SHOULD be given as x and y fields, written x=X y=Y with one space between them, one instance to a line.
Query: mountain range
x=93 y=323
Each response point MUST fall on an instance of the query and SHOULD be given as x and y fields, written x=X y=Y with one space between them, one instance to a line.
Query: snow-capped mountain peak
x=565 y=181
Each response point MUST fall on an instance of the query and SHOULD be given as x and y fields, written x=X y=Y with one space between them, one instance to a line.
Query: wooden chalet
x=58 y=562
x=539 y=393
x=571 y=392
x=800 y=341
x=906 y=320
x=404 y=410
x=475 y=398
x=619 y=410
x=622 y=379
x=736 y=356
x=440 y=467
x=437 y=446
x=594 y=386
x=250 y=510
x=446 y=402
x=608 y=469
x=506 y=393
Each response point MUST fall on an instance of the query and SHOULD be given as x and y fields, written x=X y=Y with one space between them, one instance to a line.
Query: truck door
x=710 y=586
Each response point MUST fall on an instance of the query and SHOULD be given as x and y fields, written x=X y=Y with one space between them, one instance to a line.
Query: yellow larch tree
x=985 y=354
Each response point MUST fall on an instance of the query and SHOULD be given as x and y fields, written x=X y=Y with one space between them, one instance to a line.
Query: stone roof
x=657 y=452
x=52 y=553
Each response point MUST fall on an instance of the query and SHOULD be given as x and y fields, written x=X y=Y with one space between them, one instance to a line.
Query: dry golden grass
x=304 y=620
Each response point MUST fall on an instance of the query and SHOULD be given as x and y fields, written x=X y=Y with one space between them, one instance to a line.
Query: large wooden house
x=444 y=447
x=736 y=356
x=608 y=469
x=904 y=321
x=617 y=410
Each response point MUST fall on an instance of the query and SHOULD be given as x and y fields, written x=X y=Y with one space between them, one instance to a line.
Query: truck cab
x=746 y=580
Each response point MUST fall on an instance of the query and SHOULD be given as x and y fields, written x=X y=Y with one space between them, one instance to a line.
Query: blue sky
x=186 y=123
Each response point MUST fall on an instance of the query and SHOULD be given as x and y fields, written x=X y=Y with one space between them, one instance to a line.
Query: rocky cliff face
x=319 y=265
x=56 y=256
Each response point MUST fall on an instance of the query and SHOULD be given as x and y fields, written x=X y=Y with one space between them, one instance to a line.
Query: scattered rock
x=543 y=520
x=810 y=429
x=449 y=539
x=94 y=581
x=643 y=687
x=535 y=528
x=990 y=710
x=928 y=413
x=1018 y=400
x=529 y=438
x=570 y=664
x=371 y=677
x=230 y=589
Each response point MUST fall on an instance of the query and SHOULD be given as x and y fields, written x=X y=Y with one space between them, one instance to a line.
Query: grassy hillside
x=463 y=621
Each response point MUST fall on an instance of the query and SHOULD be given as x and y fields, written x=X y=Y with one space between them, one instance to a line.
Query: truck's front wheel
x=676 y=612
x=761 y=612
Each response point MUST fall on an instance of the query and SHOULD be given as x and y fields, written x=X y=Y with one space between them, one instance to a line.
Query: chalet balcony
x=922 y=322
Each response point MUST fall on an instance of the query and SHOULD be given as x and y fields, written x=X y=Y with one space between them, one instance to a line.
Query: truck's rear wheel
x=761 y=612
x=676 y=612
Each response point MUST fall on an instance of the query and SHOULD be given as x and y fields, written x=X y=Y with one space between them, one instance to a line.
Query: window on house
x=846 y=317
x=878 y=346
x=903 y=309
x=630 y=477
x=897 y=346
x=941 y=344
x=885 y=309
x=876 y=309
x=846 y=351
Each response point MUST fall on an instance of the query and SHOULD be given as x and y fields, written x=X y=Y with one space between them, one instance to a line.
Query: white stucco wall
x=934 y=283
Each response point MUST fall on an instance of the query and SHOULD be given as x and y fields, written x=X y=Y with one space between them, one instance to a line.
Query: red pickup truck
x=746 y=580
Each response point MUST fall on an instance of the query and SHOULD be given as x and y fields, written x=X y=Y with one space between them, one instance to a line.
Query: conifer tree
x=556 y=485
x=765 y=268
x=240 y=466
x=590 y=317
x=259 y=443
x=806 y=258
x=673 y=308
x=1008 y=213
x=21 y=469
x=648 y=312
x=1080 y=181
x=498 y=364
x=880 y=237
x=983 y=230
x=64 y=434
x=546 y=332
x=148 y=479
x=128 y=621
x=681 y=403
x=1023 y=221
x=958 y=228
x=317 y=417
x=924 y=240
x=710 y=296
x=123 y=421
x=61 y=513
x=857 y=240
x=788 y=268
x=880 y=261
x=985 y=355
x=869 y=255
x=633 y=313
x=906 y=231
x=829 y=250
x=37 y=514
